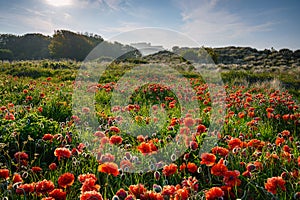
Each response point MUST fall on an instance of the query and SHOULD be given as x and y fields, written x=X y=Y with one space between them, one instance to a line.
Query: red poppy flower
x=62 y=153
x=188 y=121
x=231 y=178
x=91 y=195
x=201 y=128
x=137 y=190
x=219 y=169
x=99 y=134
x=58 y=194
x=130 y=197
x=169 y=170
x=109 y=168
x=208 y=159
x=36 y=169
x=285 y=133
x=47 y=137
x=85 y=110
x=17 y=178
x=21 y=156
x=114 y=129
x=115 y=139
x=66 y=179
x=107 y=158
x=121 y=193
x=4 y=173
x=214 y=193
x=9 y=116
x=191 y=183
x=192 y=167
x=53 y=166
x=126 y=164
x=274 y=183
x=2 y=108
x=299 y=161
x=89 y=185
x=25 y=189
x=44 y=187
x=182 y=167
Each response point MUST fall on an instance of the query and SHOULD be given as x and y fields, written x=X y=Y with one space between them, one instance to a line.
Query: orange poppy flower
x=181 y=194
x=62 y=153
x=66 y=179
x=144 y=148
x=274 y=183
x=168 y=190
x=182 y=167
x=192 y=167
x=17 y=178
x=109 y=168
x=214 y=193
x=234 y=142
x=220 y=150
x=279 y=141
x=219 y=169
x=231 y=178
x=137 y=190
x=83 y=177
x=169 y=170
x=208 y=159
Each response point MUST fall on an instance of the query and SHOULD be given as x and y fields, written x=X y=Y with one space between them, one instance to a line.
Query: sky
x=261 y=24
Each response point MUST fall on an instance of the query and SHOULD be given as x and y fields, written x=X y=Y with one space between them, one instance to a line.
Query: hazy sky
x=256 y=23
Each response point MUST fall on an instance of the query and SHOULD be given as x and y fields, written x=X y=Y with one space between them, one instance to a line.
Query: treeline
x=63 y=44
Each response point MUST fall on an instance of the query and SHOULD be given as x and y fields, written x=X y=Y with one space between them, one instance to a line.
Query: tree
x=6 y=54
x=66 y=44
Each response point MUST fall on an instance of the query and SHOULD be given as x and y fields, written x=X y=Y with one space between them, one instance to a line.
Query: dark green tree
x=6 y=54
x=66 y=44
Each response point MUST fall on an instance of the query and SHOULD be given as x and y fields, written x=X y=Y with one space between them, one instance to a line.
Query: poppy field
x=50 y=152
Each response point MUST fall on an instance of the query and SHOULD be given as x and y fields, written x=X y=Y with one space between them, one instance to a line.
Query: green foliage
x=6 y=54
x=66 y=44
x=26 y=47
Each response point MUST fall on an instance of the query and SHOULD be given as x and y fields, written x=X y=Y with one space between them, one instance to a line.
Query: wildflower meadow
x=54 y=146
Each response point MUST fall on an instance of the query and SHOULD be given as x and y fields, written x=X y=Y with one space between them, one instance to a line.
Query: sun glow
x=58 y=3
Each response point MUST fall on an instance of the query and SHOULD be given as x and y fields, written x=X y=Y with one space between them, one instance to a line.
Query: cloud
x=211 y=25
x=59 y=3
